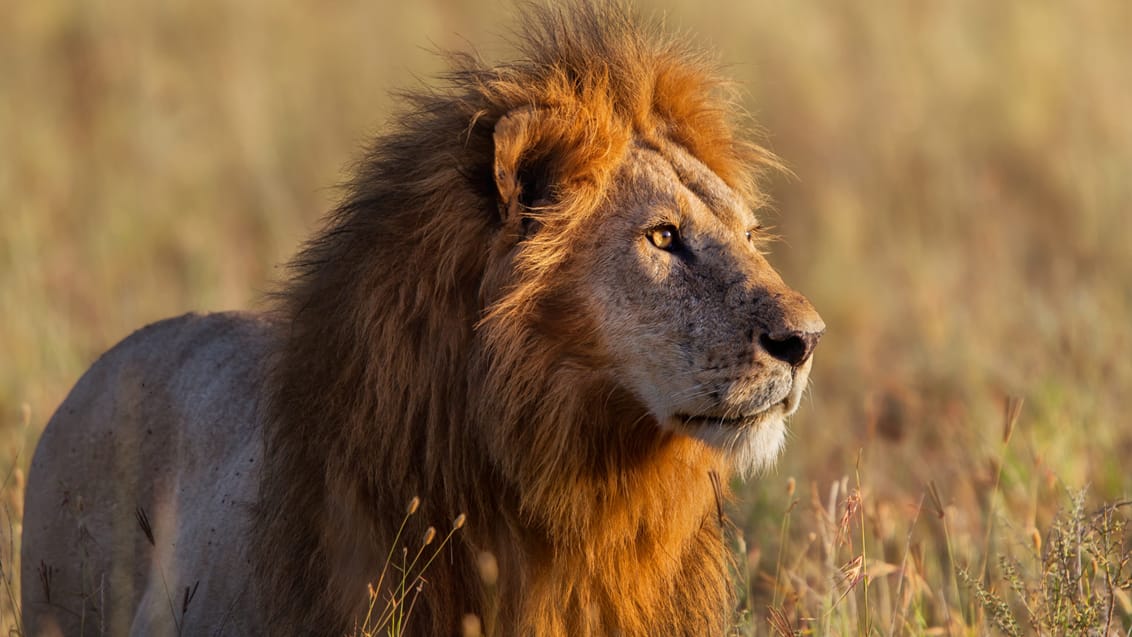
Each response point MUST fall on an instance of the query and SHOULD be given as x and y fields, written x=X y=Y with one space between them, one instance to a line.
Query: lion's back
x=142 y=484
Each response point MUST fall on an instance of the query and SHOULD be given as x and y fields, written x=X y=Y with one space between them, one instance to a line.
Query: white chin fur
x=752 y=448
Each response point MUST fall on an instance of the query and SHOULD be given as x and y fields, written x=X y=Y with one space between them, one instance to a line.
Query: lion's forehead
x=669 y=175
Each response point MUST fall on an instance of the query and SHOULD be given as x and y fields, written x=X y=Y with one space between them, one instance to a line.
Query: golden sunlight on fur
x=541 y=304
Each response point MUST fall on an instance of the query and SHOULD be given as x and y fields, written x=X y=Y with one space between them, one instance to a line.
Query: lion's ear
x=522 y=168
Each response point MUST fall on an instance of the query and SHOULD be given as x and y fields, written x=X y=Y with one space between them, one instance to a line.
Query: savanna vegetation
x=958 y=213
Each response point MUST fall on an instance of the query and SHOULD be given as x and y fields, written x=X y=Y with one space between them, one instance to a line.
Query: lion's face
x=694 y=321
x=674 y=303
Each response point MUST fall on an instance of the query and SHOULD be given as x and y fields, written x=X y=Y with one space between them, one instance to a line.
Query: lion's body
x=538 y=306
x=166 y=423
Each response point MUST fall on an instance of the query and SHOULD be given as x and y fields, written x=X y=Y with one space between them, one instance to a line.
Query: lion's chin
x=752 y=444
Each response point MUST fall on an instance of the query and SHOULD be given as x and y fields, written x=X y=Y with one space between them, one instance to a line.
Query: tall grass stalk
x=398 y=608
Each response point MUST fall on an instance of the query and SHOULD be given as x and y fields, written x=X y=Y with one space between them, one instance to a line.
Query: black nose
x=794 y=348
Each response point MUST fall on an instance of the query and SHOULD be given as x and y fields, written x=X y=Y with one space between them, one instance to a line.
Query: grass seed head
x=471 y=626
x=1011 y=410
x=488 y=567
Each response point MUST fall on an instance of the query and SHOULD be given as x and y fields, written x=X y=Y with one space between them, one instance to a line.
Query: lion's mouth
x=786 y=406
x=783 y=402
x=717 y=421
x=720 y=421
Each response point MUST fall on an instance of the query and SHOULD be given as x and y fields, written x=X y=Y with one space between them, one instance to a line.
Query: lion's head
x=660 y=274
x=629 y=246
x=543 y=294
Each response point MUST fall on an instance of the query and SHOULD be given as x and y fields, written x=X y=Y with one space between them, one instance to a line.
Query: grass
x=391 y=601
x=863 y=568
x=960 y=219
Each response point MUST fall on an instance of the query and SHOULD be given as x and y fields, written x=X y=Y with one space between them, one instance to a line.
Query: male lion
x=541 y=304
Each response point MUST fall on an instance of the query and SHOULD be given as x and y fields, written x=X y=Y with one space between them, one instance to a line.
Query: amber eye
x=664 y=237
x=753 y=232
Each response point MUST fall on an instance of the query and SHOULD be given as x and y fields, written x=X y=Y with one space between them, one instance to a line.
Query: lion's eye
x=753 y=233
x=665 y=237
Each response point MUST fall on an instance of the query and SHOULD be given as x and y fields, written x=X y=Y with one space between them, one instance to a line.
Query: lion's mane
x=418 y=359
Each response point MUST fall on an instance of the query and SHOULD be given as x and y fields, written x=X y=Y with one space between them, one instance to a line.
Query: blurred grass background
x=961 y=218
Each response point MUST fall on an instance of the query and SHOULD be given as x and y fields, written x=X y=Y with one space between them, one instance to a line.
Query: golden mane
x=418 y=359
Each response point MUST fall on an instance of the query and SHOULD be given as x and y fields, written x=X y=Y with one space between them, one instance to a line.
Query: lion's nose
x=787 y=325
x=793 y=347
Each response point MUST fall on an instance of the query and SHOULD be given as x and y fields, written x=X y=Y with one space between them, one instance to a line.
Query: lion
x=542 y=305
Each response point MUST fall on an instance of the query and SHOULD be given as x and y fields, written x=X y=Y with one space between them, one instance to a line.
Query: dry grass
x=961 y=220
x=403 y=578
